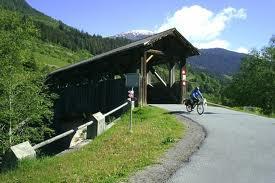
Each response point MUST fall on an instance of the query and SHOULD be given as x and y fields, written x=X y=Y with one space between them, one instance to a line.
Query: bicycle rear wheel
x=188 y=108
x=200 y=108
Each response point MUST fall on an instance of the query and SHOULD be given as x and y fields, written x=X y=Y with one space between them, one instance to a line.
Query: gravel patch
x=175 y=157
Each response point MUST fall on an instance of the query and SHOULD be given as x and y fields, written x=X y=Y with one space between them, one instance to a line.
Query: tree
x=25 y=106
x=254 y=85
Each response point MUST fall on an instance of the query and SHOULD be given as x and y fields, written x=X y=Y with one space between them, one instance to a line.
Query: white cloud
x=242 y=50
x=202 y=26
x=217 y=43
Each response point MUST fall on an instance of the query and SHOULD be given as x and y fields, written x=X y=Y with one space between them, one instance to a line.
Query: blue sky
x=235 y=24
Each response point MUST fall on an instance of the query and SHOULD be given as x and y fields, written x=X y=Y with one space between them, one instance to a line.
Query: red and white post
x=183 y=83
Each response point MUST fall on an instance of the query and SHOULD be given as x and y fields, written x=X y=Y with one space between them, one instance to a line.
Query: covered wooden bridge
x=98 y=84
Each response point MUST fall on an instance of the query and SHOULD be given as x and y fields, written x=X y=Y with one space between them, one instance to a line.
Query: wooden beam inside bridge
x=157 y=52
x=153 y=71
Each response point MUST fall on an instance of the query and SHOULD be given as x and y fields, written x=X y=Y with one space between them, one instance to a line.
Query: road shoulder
x=175 y=157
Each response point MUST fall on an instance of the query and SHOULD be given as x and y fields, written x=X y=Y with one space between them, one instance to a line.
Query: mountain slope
x=217 y=61
x=59 y=44
x=44 y=53
x=21 y=6
x=59 y=33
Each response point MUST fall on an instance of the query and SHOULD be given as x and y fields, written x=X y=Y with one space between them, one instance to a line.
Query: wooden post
x=171 y=74
x=183 y=82
x=140 y=89
x=144 y=70
x=149 y=78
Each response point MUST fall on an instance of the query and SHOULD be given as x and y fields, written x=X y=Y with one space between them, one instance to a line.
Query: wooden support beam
x=143 y=84
x=149 y=78
x=153 y=71
x=148 y=59
x=150 y=84
x=140 y=89
x=145 y=79
x=157 y=52
x=171 y=74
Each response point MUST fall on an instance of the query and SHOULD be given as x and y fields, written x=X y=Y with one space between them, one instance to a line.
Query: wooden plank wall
x=102 y=96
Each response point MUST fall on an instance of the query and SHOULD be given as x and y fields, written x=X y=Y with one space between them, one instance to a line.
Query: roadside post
x=132 y=80
x=132 y=103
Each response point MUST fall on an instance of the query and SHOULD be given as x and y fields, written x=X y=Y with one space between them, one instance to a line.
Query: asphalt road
x=239 y=148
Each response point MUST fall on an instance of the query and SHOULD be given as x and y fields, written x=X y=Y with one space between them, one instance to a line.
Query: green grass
x=49 y=60
x=57 y=56
x=111 y=157
x=257 y=111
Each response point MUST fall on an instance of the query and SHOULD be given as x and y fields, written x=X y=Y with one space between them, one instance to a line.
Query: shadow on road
x=210 y=113
x=184 y=112
x=177 y=112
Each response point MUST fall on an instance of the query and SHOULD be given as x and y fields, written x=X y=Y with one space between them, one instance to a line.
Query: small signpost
x=132 y=80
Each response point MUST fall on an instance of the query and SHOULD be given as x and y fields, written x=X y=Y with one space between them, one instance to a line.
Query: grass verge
x=111 y=157
x=241 y=109
x=55 y=55
x=256 y=112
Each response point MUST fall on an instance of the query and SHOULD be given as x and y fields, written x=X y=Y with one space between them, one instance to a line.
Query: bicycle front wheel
x=200 y=109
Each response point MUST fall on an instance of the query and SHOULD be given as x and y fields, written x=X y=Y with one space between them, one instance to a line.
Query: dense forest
x=77 y=40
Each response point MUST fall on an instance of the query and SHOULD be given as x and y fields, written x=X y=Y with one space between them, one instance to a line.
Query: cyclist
x=194 y=96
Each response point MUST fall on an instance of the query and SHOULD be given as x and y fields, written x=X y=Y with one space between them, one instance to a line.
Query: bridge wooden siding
x=91 y=97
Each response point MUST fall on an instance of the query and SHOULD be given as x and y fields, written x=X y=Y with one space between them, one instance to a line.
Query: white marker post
x=132 y=103
x=132 y=80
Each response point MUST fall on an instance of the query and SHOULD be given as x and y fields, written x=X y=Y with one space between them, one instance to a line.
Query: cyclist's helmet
x=197 y=88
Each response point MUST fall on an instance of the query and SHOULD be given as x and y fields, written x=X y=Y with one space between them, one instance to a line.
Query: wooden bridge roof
x=170 y=43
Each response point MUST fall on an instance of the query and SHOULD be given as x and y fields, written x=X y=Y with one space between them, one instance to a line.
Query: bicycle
x=200 y=105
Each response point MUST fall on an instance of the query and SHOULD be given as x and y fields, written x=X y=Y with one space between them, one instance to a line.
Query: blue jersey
x=195 y=94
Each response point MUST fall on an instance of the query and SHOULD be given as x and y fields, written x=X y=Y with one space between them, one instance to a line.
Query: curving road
x=239 y=148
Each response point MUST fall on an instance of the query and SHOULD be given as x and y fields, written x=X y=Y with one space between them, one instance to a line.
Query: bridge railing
x=116 y=109
x=60 y=136
x=94 y=128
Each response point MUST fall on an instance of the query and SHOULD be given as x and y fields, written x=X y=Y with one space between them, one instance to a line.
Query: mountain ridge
x=135 y=35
